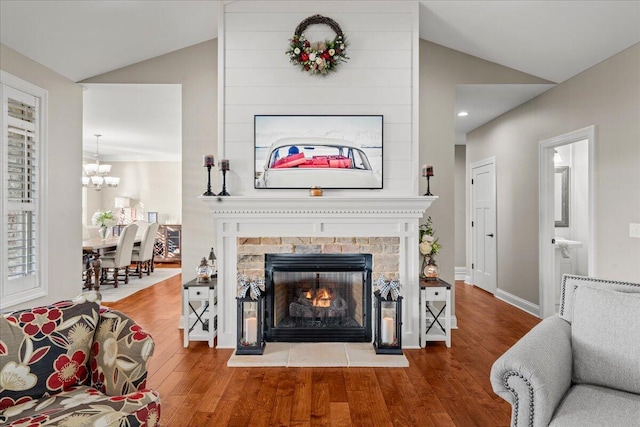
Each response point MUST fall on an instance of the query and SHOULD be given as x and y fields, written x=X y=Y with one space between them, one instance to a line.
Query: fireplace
x=318 y=297
x=294 y=219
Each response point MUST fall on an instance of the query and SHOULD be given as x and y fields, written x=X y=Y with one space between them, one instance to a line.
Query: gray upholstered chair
x=581 y=367
x=120 y=258
x=143 y=254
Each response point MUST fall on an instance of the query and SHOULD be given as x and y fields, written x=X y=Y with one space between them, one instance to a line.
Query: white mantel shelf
x=376 y=206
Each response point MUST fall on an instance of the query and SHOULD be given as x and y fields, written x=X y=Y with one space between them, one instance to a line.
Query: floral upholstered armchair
x=75 y=363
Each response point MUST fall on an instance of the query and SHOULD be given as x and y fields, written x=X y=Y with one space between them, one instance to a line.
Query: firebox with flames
x=322 y=297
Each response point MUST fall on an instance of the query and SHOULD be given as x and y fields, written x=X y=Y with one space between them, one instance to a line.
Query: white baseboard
x=461 y=273
x=467 y=280
x=518 y=302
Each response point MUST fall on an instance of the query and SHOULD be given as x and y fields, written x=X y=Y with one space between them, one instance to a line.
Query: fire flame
x=322 y=294
x=322 y=298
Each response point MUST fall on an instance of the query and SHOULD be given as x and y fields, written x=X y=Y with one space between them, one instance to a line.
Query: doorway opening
x=566 y=212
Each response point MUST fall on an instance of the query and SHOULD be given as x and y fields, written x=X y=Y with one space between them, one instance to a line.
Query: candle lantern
x=250 y=301
x=250 y=321
x=388 y=324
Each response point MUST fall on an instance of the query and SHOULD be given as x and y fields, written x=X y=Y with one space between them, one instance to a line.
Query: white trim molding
x=461 y=273
x=518 y=302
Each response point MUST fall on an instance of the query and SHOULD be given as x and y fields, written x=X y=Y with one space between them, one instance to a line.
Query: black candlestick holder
x=428 y=193
x=224 y=184
x=209 y=192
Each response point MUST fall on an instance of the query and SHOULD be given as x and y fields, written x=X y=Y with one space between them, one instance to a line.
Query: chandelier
x=97 y=173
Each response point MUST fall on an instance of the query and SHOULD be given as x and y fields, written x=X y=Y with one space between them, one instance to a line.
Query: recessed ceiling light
x=463 y=114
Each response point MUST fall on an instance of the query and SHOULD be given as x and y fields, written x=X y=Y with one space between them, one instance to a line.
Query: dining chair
x=142 y=228
x=120 y=258
x=143 y=254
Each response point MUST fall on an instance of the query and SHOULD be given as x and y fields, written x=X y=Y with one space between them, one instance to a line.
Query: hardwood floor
x=441 y=387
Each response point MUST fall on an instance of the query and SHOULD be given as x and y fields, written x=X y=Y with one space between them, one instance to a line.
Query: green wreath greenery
x=317 y=57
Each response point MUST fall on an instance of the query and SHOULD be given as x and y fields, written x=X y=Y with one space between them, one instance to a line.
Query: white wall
x=606 y=96
x=63 y=168
x=379 y=78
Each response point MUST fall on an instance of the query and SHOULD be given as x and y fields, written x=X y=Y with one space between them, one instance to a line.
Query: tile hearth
x=324 y=354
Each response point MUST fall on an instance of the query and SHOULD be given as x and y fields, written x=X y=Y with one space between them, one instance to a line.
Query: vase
x=104 y=232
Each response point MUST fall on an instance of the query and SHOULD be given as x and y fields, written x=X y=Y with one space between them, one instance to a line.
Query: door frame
x=485 y=162
x=546 y=254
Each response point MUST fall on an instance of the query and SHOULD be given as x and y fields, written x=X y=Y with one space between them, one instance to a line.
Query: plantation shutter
x=21 y=193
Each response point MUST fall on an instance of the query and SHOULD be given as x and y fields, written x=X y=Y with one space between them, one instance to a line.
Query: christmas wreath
x=317 y=57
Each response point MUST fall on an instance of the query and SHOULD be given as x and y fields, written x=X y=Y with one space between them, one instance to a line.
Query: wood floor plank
x=302 y=396
x=441 y=387
x=339 y=414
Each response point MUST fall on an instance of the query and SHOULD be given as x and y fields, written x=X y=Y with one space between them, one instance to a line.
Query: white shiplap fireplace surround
x=250 y=217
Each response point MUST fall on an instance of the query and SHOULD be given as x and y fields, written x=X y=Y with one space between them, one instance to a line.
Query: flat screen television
x=299 y=151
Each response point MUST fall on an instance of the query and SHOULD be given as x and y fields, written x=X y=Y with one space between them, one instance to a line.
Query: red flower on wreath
x=304 y=56
x=149 y=416
x=40 y=321
x=138 y=333
x=69 y=371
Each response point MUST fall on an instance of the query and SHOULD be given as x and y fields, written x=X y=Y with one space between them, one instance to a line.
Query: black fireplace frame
x=316 y=263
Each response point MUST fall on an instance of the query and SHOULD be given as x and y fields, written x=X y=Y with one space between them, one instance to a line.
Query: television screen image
x=324 y=151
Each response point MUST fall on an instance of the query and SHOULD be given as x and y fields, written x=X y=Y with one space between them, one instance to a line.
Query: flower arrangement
x=104 y=219
x=429 y=247
x=317 y=57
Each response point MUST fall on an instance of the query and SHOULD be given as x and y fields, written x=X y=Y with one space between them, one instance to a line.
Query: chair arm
x=535 y=373
x=119 y=356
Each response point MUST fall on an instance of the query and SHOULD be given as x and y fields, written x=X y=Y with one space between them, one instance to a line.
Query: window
x=21 y=193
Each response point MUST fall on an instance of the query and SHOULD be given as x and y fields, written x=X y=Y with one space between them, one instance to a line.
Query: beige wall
x=156 y=185
x=607 y=96
x=195 y=68
x=64 y=168
x=441 y=69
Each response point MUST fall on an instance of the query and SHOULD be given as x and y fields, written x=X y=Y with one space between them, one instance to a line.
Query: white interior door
x=483 y=225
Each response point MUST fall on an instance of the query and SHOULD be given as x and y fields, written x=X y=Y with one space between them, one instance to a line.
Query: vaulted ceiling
x=551 y=39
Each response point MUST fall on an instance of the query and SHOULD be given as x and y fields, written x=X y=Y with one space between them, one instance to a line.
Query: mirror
x=561 y=202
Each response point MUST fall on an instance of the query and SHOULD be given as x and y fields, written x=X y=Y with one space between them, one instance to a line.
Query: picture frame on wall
x=328 y=151
x=152 y=217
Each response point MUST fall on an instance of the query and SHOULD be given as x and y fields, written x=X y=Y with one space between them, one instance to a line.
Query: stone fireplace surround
x=238 y=218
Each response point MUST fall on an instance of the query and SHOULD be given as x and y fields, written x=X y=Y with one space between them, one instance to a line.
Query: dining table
x=94 y=247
